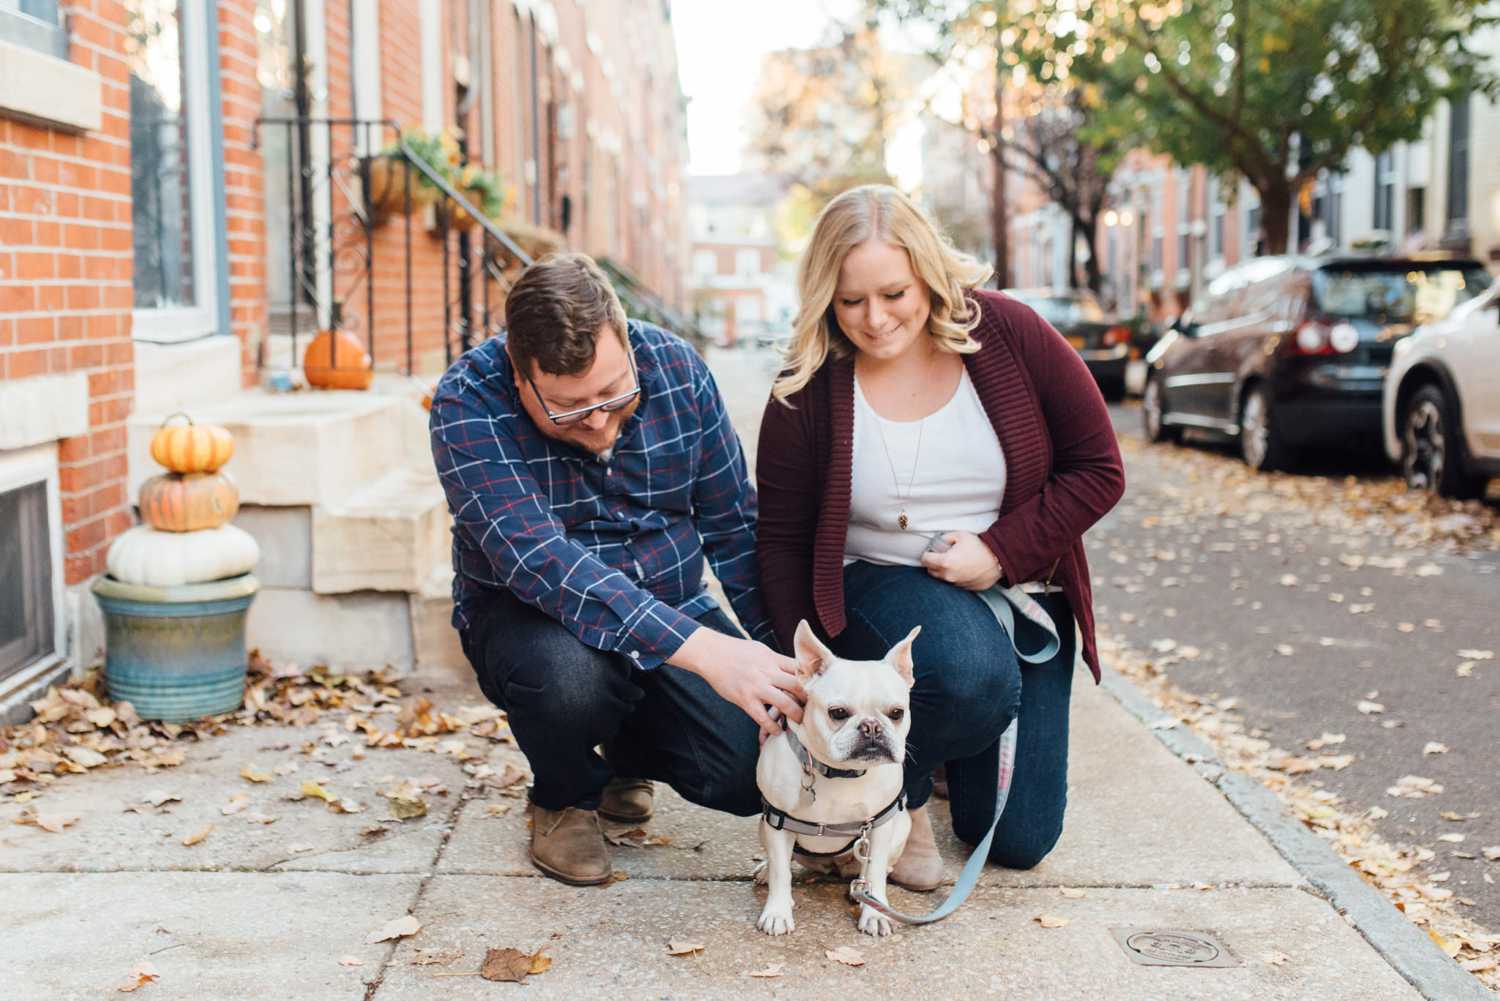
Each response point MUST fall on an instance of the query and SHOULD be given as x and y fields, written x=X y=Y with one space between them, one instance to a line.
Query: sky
x=719 y=50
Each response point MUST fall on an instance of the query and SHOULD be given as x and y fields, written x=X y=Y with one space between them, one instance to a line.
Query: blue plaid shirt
x=612 y=549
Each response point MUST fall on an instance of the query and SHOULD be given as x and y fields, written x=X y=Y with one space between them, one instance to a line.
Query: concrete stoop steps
x=339 y=490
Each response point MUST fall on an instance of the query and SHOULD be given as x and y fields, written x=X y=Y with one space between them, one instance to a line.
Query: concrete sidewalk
x=274 y=910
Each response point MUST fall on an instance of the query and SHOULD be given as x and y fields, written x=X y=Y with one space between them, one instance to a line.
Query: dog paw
x=776 y=922
x=872 y=922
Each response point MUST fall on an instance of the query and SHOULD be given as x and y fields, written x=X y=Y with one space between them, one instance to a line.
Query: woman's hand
x=968 y=563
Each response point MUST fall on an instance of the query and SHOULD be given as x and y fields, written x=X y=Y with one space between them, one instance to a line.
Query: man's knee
x=551 y=678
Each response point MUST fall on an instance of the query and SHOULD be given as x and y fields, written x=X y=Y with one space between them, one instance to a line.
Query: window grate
x=26 y=612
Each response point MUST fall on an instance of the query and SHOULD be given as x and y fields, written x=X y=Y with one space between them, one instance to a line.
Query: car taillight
x=1116 y=335
x=1314 y=337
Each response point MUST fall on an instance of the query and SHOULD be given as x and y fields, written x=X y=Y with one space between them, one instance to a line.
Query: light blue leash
x=1004 y=603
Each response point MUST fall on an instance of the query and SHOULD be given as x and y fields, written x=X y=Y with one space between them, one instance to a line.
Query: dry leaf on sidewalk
x=143 y=974
x=437 y=957
x=53 y=823
x=198 y=835
x=351 y=961
x=1434 y=747
x=1277 y=958
x=252 y=774
x=402 y=927
x=676 y=948
x=1072 y=892
x=236 y=803
x=768 y=973
x=313 y=789
x=846 y=955
x=408 y=808
x=509 y=966
x=1051 y=921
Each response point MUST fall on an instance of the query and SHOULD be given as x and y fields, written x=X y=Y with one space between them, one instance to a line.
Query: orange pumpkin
x=189 y=502
x=191 y=448
x=348 y=367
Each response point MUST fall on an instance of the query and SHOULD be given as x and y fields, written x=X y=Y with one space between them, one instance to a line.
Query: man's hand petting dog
x=748 y=674
x=964 y=561
x=858 y=716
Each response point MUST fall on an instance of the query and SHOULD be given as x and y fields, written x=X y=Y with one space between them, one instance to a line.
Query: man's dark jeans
x=969 y=686
x=564 y=699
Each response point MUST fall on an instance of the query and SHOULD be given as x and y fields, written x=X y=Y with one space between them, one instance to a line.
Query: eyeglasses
x=610 y=406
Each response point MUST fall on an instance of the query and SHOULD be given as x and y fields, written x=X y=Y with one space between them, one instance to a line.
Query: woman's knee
x=973 y=676
x=1026 y=847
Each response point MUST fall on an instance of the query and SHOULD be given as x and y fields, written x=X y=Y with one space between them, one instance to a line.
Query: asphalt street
x=1303 y=603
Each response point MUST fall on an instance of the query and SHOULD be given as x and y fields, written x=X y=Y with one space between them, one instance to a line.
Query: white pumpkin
x=143 y=555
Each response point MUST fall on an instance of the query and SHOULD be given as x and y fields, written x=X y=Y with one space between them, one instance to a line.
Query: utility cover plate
x=1173 y=947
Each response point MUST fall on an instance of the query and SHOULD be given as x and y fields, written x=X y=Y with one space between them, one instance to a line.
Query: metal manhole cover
x=1172 y=947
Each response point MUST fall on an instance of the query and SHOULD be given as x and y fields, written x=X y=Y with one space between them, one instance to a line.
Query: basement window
x=27 y=612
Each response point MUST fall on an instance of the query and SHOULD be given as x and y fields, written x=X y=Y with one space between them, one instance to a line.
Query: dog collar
x=812 y=764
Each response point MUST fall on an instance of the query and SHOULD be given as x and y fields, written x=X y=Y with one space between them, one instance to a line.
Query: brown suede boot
x=569 y=846
x=920 y=867
x=628 y=801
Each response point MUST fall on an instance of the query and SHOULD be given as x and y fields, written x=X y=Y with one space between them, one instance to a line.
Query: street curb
x=1402 y=944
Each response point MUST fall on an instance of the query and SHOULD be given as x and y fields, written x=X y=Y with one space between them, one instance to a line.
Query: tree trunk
x=1073 y=234
x=999 y=211
x=1276 y=196
x=1090 y=233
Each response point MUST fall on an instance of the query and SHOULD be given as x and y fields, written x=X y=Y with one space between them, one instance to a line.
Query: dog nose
x=869 y=727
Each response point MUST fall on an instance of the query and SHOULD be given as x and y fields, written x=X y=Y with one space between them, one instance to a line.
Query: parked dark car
x=1102 y=341
x=1286 y=353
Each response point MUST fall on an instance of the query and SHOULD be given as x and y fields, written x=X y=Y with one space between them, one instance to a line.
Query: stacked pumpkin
x=187 y=538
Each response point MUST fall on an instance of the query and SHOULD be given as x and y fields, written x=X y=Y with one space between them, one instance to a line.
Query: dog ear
x=812 y=655
x=899 y=657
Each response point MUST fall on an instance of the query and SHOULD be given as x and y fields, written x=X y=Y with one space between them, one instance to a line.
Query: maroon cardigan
x=1063 y=472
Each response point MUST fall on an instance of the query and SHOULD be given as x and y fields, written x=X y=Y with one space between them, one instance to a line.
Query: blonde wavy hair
x=875 y=212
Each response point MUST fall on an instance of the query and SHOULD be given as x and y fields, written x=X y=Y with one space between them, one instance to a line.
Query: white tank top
x=954 y=484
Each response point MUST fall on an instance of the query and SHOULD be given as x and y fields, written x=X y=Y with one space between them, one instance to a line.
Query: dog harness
x=855 y=831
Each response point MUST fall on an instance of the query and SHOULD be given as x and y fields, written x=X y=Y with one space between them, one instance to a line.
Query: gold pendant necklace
x=902 y=520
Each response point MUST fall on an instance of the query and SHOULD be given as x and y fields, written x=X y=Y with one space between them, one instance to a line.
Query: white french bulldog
x=854 y=726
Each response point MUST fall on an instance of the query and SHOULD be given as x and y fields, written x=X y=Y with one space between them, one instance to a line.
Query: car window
x=1066 y=311
x=1402 y=293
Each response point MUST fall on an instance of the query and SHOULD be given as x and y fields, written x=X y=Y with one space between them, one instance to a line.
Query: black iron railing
x=326 y=223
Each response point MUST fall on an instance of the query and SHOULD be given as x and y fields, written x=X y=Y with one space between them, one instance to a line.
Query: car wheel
x=1153 y=409
x=1431 y=452
x=1261 y=445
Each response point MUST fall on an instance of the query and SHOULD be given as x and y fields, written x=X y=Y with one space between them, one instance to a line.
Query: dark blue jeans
x=969 y=686
x=564 y=699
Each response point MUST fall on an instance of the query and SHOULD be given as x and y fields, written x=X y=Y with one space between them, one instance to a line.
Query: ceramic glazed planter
x=176 y=653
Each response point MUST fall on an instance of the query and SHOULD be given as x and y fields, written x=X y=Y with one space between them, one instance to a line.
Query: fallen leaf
x=767 y=973
x=1285 y=649
x=437 y=957
x=313 y=789
x=403 y=927
x=1072 y=892
x=1326 y=740
x=85 y=757
x=236 y=803
x=1369 y=708
x=407 y=808
x=1434 y=747
x=351 y=961
x=496 y=809
x=1491 y=854
x=540 y=963
x=510 y=966
x=1450 y=948
x=143 y=974
x=1465 y=670
x=198 y=835
x=1277 y=958
x=159 y=798
x=1476 y=655
x=1452 y=839
x=1051 y=921
x=53 y=823
x=1414 y=787
x=846 y=955
x=252 y=774
x=101 y=717
x=676 y=948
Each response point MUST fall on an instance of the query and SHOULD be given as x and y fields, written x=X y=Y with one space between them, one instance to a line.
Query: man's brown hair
x=554 y=313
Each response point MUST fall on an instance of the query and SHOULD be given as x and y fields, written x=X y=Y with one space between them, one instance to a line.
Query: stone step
x=438 y=650
x=293 y=449
x=390 y=536
x=347 y=632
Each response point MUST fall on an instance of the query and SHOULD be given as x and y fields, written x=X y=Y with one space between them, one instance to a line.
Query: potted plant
x=389 y=170
x=485 y=191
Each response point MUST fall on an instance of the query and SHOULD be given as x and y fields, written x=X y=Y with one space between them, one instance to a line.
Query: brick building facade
x=148 y=257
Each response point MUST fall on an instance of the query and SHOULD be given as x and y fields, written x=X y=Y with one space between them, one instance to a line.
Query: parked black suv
x=1289 y=352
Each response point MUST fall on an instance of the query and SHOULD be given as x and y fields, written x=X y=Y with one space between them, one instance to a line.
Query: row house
x=741 y=289
x=188 y=194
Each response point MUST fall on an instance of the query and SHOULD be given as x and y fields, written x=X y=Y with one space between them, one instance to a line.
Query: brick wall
x=244 y=185
x=65 y=280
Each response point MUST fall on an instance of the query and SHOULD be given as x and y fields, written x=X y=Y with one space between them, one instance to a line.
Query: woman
x=919 y=413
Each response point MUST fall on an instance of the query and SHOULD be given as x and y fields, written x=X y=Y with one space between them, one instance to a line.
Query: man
x=590 y=466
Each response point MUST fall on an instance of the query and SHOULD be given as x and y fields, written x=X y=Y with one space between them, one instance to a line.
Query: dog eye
x=838 y=713
x=895 y=712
